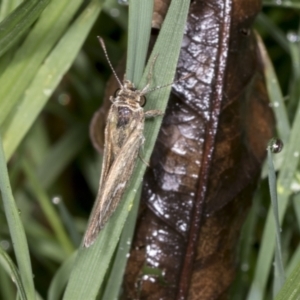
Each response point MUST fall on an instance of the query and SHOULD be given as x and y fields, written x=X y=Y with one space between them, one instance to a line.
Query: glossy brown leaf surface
x=206 y=162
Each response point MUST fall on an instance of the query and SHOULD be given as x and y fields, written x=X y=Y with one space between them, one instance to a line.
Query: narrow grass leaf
x=60 y=278
x=115 y=279
x=62 y=153
x=275 y=94
x=279 y=277
x=291 y=288
x=7 y=6
x=16 y=229
x=140 y=17
x=294 y=92
x=18 y=22
x=48 y=77
x=68 y=221
x=7 y=289
x=12 y=271
x=27 y=60
x=48 y=208
x=285 y=180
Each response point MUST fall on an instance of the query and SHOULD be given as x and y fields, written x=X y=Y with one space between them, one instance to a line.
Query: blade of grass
x=16 y=229
x=68 y=221
x=7 y=289
x=285 y=179
x=294 y=91
x=62 y=153
x=12 y=271
x=91 y=264
x=28 y=58
x=7 y=6
x=48 y=208
x=140 y=12
x=18 y=22
x=275 y=94
x=60 y=278
x=279 y=274
x=114 y=282
x=291 y=288
x=48 y=77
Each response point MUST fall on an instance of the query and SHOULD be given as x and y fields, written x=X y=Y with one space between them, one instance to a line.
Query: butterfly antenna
x=107 y=58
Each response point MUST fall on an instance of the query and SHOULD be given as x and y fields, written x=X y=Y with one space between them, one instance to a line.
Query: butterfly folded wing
x=114 y=183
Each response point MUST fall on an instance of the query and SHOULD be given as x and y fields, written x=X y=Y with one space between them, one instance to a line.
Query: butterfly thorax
x=129 y=95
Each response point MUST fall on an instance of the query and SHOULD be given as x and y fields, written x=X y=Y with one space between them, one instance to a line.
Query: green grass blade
x=293 y=263
x=275 y=94
x=7 y=289
x=17 y=24
x=48 y=209
x=68 y=221
x=29 y=57
x=140 y=12
x=16 y=229
x=60 y=278
x=285 y=180
x=12 y=271
x=62 y=154
x=279 y=274
x=91 y=264
x=7 y=6
x=47 y=78
x=291 y=289
x=115 y=279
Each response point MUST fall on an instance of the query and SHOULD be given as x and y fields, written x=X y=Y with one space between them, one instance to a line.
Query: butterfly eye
x=116 y=92
x=142 y=101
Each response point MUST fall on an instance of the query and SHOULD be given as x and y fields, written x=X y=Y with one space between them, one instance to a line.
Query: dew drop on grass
x=276 y=145
x=5 y=245
x=114 y=12
x=123 y=2
x=293 y=37
x=56 y=200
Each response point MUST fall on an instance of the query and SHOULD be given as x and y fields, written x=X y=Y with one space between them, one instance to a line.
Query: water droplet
x=4 y=244
x=47 y=92
x=245 y=267
x=114 y=12
x=64 y=99
x=293 y=37
x=56 y=200
x=123 y=2
x=276 y=145
x=295 y=187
